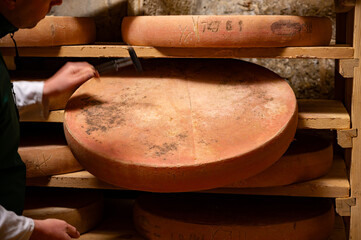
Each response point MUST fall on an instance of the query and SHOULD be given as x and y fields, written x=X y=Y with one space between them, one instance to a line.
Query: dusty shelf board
x=313 y=114
x=105 y=50
x=334 y=184
x=322 y=114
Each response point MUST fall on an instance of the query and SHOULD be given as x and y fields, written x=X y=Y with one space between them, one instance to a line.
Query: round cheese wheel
x=182 y=125
x=44 y=150
x=82 y=209
x=308 y=157
x=226 y=31
x=232 y=217
x=54 y=31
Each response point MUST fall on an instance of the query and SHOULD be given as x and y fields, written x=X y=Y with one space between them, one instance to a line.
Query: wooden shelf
x=114 y=50
x=322 y=114
x=334 y=184
x=313 y=114
x=118 y=224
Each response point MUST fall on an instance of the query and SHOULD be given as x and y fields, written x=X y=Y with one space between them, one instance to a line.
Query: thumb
x=72 y=232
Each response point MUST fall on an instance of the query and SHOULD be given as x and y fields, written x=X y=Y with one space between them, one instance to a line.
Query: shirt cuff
x=14 y=227
x=29 y=100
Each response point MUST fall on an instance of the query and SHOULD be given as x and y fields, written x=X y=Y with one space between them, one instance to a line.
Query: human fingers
x=83 y=75
x=72 y=231
x=54 y=229
x=75 y=67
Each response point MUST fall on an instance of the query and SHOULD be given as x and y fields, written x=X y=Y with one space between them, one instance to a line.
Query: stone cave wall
x=310 y=78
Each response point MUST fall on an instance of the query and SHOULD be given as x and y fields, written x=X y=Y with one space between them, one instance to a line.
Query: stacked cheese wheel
x=231 y=217
x=82 y=209
x=226 y=31
x=308 y=157
x=182 y=125
x=54 y=31
x=44 y=150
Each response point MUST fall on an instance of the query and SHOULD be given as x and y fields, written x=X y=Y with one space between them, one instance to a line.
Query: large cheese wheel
x=182 y=125
x=226 y=31
x=233 y=217
x=54 y=31
x=81 y=208
x=44 y=150
x=308 y=157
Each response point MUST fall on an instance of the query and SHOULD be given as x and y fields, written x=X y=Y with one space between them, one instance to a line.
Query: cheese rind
x=232 y=217
x=54 y=31
x=226 y=31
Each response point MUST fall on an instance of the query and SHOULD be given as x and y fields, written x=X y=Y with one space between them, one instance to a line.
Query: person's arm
x=31 y=98
x=14 y=227
x=69 y=77
x=53 y=229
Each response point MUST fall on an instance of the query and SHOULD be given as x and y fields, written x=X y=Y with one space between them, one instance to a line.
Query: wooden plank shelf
x=335 y=184
x=322 y=114
x=313 y=114
x=118 y=50
x=118 y=224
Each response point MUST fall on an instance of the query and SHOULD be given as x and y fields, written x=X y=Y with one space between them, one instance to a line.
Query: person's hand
x=53 y=229
x=69 y=77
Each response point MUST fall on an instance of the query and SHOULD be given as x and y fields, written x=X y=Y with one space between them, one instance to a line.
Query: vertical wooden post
x=355 y=171
x=340 y=39
x=348 y=82
x=343 y=86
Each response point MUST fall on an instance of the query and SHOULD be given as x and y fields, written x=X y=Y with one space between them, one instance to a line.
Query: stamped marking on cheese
x=196 y=26
x=37 y=165
x=213 y=26
x=290 y=28
x=52 y=27
x=185 y=34
x=286 y=28
x=240 y=23
x=229 y=25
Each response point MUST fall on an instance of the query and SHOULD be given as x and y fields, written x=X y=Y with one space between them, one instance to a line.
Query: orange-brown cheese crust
x=182 y=125
x=226 y=31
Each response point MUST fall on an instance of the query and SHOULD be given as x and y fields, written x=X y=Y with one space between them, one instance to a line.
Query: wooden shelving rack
x=342 y=51
x=342 y=115
x=334 y=185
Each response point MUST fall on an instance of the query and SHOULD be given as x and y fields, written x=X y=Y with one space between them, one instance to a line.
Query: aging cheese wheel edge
x=232 y=217
x=226 y=31
x=54 y=31
x=48 y=160
x=142 y=162
x=44 y=150
x=81 y=208
x=308 y=157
